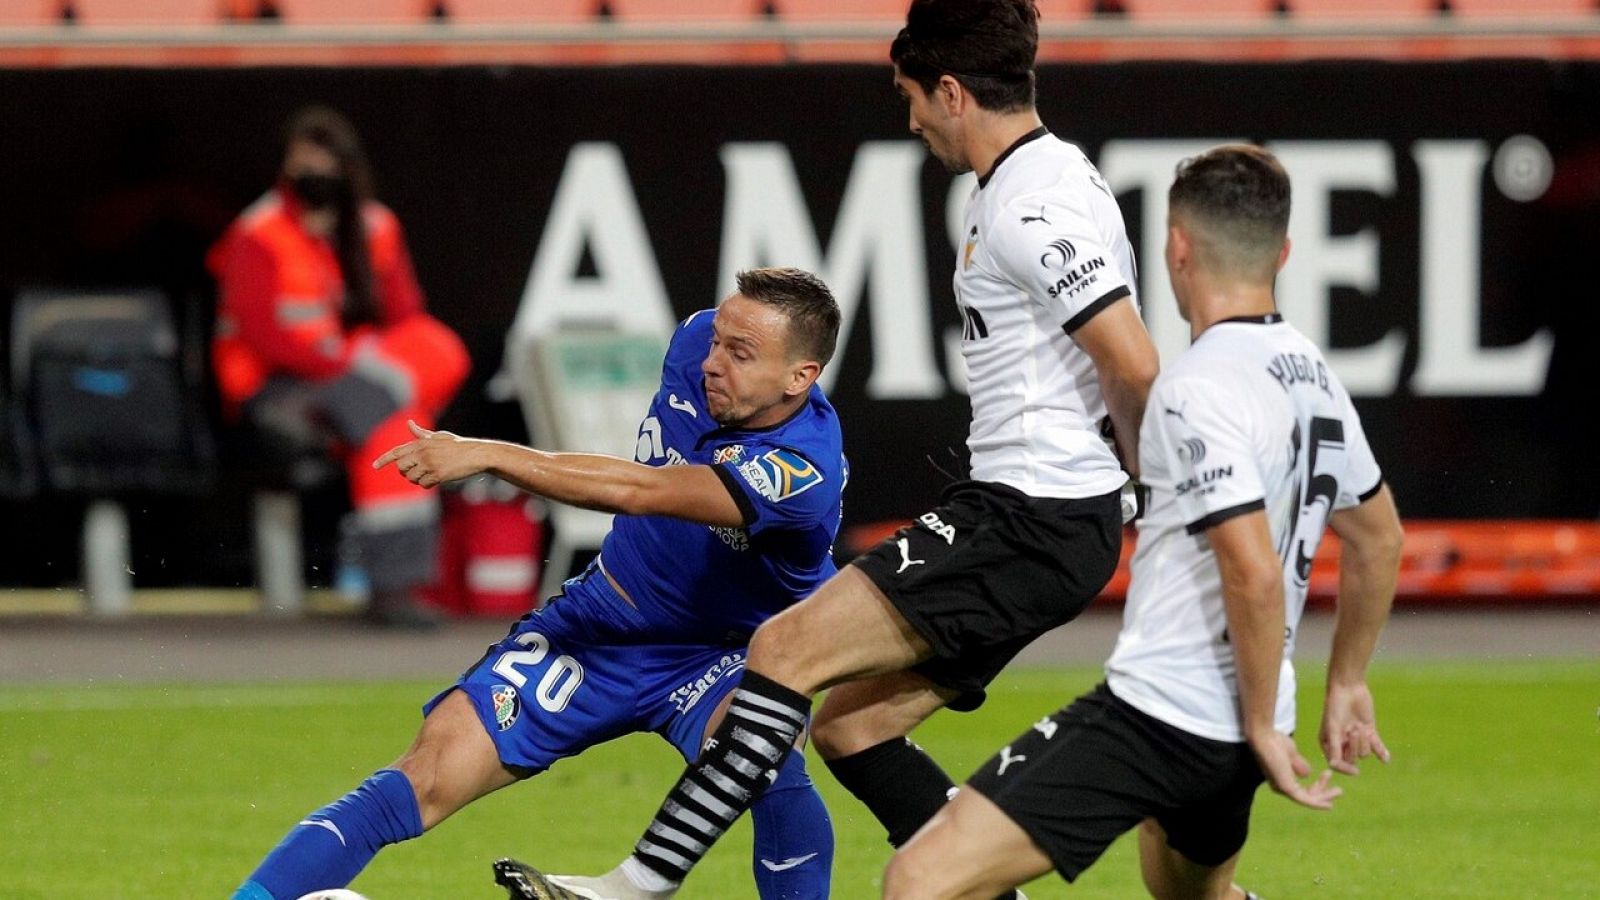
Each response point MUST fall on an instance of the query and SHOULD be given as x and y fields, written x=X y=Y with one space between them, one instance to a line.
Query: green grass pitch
x=177 y=791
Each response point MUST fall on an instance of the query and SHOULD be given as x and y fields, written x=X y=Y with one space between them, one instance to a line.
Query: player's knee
x=830 y=736
x=836 y=737
x=1169 y=875
x=425 y=765
x=909 y=876
x=421 y=768
x=899 y=878
x=440 y=793
x=777 y=650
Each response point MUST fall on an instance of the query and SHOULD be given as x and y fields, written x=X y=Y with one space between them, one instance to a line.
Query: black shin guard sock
x=898 y=782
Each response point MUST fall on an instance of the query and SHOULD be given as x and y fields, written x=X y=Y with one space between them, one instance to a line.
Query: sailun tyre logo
x=1059 y=249
x=1192 y=451
x=507 y=705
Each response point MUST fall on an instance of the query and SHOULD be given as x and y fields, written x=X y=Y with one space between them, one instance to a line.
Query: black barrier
x=1447 y=224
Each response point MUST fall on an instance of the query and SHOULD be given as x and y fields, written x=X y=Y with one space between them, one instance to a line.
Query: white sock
x=645 y=878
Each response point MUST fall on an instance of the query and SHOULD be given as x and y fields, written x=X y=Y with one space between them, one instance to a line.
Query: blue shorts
x=578 y=673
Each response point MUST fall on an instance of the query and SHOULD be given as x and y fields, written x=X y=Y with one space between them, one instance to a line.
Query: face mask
x=321 y=191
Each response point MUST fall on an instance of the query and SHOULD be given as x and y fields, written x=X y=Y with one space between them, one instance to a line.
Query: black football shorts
x=989 y=570
x=1078 y=779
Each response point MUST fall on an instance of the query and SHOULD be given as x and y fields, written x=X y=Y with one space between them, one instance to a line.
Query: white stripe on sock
x=744 y=766
x=685 y=816
x=703 y=797
x=677 y=837
x=781 y=726
x=681 y=863
x=730 y=788
x=762 y=747
x=747 y=698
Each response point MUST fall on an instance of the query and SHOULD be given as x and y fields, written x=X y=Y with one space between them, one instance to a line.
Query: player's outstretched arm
x=1126 y=362
x=1369 y=564
x=1252 y=596
x=589 y=480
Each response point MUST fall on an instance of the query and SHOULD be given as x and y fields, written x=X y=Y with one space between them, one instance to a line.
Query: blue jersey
x=698 y=582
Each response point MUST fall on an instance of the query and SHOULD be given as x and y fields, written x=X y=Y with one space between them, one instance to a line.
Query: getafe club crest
x=507 y=705
x=730 y=454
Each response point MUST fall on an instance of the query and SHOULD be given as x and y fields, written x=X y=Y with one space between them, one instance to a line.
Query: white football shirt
x=1044 y=251
x=1250 y=417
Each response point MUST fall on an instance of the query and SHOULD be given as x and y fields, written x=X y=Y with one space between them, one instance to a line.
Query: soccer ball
x=333 y=894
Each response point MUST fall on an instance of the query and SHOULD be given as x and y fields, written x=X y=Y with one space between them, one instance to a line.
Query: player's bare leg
x=1169 y=875
x=846 y=630
x=453 y=761
x=969 y=850
x=861 y=714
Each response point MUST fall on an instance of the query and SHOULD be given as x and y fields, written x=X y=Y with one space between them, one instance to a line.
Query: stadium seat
x=1050 y=11
x=1054 y=12
x=108 y=391
x=353 y=12
x=516 y=12
x=149 y=12
x=1197 y=10
x=114 y=411
x=686 y=10
x=836 y=11
x=1524 y=8
x=15 y=13
x=1363 y=11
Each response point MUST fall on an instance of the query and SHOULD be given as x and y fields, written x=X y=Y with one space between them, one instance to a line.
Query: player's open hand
x=1349 y=728
x=1283 y=766
x=434 y=457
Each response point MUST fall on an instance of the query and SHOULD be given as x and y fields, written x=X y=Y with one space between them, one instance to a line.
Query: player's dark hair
x=987 y=45
x=330 y=130
x=808 y=304
x=1239 y=195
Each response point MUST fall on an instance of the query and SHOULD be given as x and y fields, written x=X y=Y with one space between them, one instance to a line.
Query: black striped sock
x=736 y=765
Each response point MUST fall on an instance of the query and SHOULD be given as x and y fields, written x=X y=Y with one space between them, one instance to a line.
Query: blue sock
x=794 y=837
x=332 y=845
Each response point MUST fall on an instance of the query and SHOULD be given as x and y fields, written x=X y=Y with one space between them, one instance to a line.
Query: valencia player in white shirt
x=1055 y=349
x=1250 y=448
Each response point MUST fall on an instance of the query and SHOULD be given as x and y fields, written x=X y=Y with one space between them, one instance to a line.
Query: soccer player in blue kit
x=727 y=517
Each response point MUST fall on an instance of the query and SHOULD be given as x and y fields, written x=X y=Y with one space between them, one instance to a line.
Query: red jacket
x=281 y=294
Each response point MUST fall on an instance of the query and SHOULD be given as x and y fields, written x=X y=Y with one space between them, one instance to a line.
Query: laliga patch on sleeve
x=780 y=474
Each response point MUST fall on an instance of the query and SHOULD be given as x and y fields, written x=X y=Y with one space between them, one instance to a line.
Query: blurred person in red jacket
x=322 y=336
